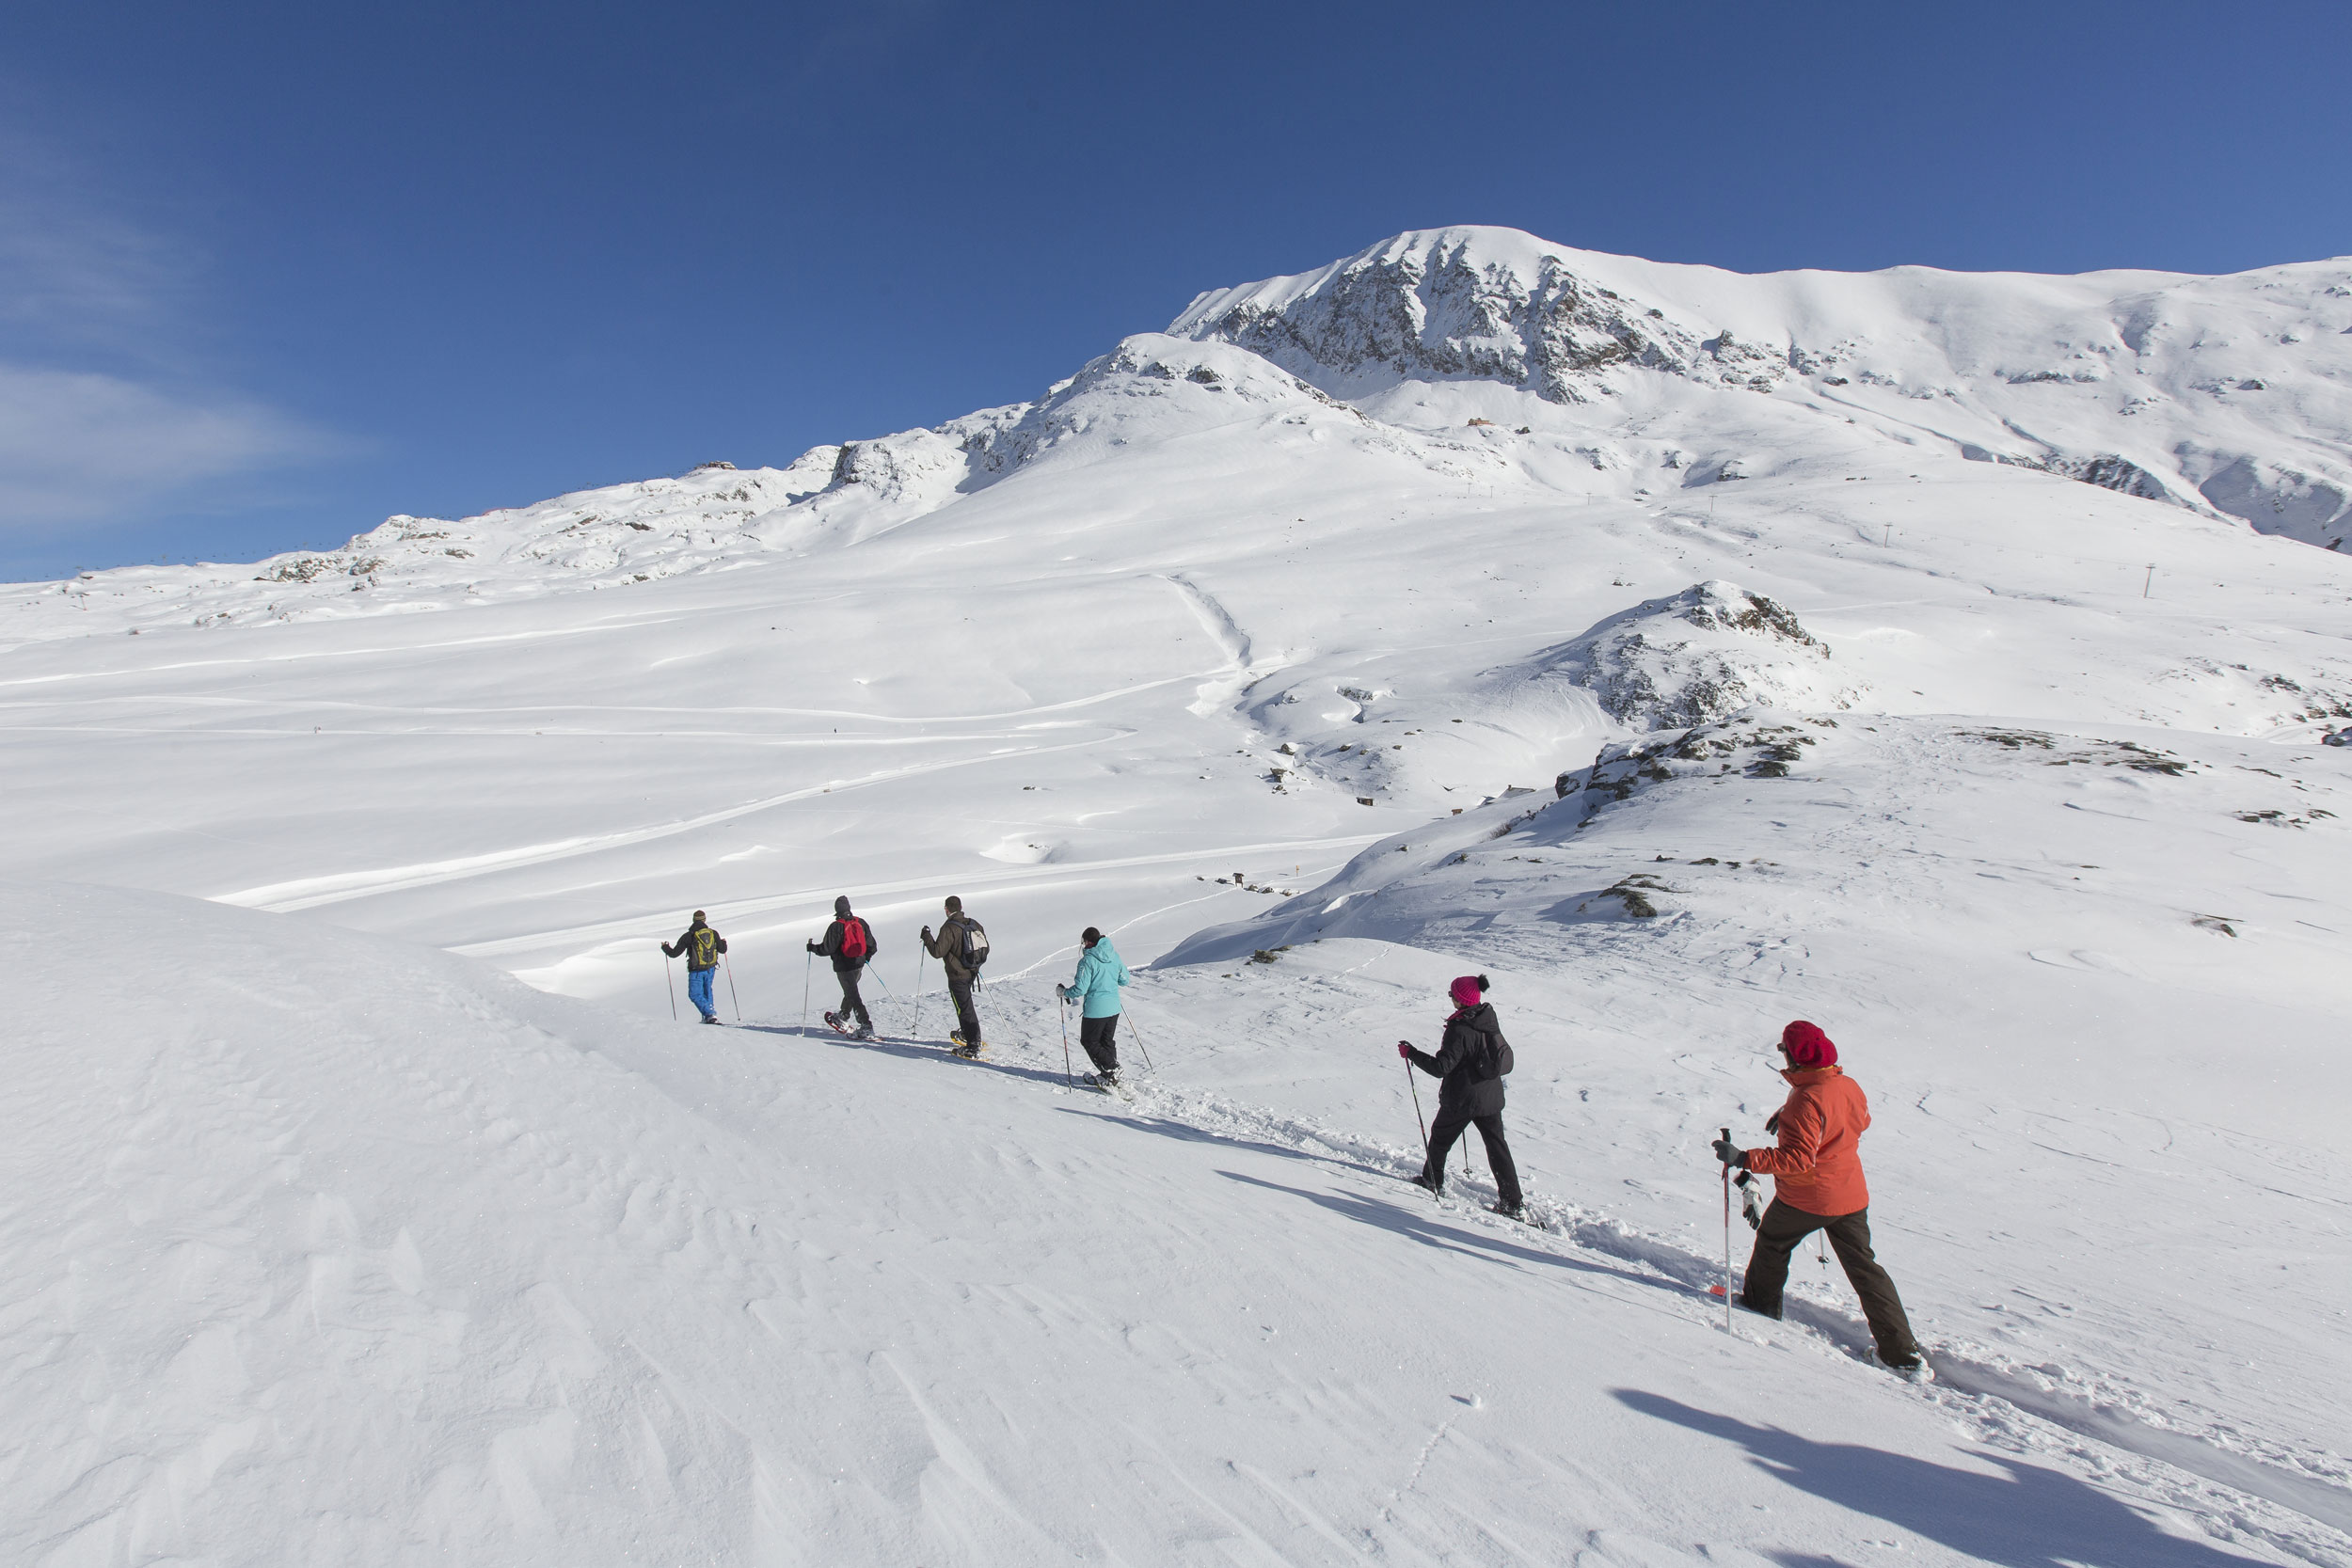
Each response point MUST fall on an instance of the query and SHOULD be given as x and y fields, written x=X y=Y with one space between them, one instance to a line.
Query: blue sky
x=270 y=272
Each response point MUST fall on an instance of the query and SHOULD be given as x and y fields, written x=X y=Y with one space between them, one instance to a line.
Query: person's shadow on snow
x=2031 y=1518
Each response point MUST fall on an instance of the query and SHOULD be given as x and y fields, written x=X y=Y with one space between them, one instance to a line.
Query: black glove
x=927 y=935
x=1730 y=1154
x=812 y=947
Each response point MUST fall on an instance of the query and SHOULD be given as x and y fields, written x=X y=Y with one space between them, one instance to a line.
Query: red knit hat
x=1807 y=1046
x=1466 y=989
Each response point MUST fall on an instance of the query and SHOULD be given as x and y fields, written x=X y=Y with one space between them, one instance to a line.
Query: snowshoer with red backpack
x=850 y=943
x=962 y=948
x=702 y=948
x=1816 y=1185
x=1470 y=1064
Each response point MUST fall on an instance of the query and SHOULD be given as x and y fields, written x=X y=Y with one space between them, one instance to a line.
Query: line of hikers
x=1816 y=1164
x=960 y=945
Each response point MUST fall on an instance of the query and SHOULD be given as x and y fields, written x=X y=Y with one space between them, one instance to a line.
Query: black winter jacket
x=1467 y=1061
x=830 y=947
x=684 y=947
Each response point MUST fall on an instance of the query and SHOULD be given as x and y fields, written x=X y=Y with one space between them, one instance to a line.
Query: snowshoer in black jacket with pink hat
x=1469 y=1063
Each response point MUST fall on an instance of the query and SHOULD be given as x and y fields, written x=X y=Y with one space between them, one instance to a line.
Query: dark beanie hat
x=1807 y=1046
x=955 y=904
x=841 y=905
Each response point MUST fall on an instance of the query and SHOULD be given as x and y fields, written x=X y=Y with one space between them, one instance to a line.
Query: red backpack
x=856 y=940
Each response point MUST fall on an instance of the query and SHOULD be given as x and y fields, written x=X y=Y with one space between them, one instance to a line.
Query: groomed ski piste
x=364 y=1203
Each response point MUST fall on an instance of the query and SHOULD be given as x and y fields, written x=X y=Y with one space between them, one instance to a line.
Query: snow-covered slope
x=1250 y=637
x=326 y=1249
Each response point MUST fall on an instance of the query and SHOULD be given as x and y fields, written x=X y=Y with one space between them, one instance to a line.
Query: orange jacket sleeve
x=1802 y=1125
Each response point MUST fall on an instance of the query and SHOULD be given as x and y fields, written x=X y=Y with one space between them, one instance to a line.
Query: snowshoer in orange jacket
x=1816 y=1185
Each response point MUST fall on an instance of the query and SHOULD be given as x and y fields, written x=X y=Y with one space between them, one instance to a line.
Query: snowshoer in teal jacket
x=1100 y=972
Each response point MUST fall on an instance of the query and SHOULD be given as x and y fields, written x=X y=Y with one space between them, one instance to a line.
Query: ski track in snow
x=817 y=898
x=286 y=897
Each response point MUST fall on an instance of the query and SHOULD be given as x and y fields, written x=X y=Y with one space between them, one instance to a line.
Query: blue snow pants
x=698 y=990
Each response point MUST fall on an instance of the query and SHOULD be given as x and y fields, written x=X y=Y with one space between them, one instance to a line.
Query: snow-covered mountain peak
x=2225 y=395
x=1493 y=304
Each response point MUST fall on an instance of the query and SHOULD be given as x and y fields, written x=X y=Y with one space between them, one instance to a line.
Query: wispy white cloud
x=79 y=448
x=111 y=411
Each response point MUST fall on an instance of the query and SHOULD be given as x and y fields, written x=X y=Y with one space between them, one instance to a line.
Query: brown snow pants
x=1850 y=1238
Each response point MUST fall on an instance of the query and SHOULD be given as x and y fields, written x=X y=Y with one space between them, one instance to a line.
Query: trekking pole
x=915 y=1027
x=1726 y=1239
x=731 y=993
x=1149 y=1065
x=1414 y=1089
x=809 y=967
x=1062 y=1009
x=670 y=976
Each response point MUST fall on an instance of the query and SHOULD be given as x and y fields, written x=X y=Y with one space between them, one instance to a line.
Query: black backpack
x=1499 y=1055
x=973 y=951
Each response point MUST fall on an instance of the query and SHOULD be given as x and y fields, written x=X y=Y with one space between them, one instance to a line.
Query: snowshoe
x=1421 y=1180
x=1509 y=1210
x=711 y=1018
x=1741 y=1303
x=1914 y=1371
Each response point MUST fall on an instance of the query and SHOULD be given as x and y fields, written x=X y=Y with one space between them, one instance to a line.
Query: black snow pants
x=851 y=1001
x=1850 y=1238
x=1448 y=1126
x=967 y=1017
x=1097 y=1035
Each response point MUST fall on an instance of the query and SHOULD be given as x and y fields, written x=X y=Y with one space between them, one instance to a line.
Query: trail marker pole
x=731 y=993
x=670 y=976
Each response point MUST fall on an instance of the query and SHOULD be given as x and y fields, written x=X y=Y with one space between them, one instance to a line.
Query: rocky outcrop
x=1434 y=306
x=1697 y=656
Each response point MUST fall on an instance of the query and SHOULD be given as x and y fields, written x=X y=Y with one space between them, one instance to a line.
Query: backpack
x=1498 y=1055
x=856 y=940
x=973 y=951
x=705 y=948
